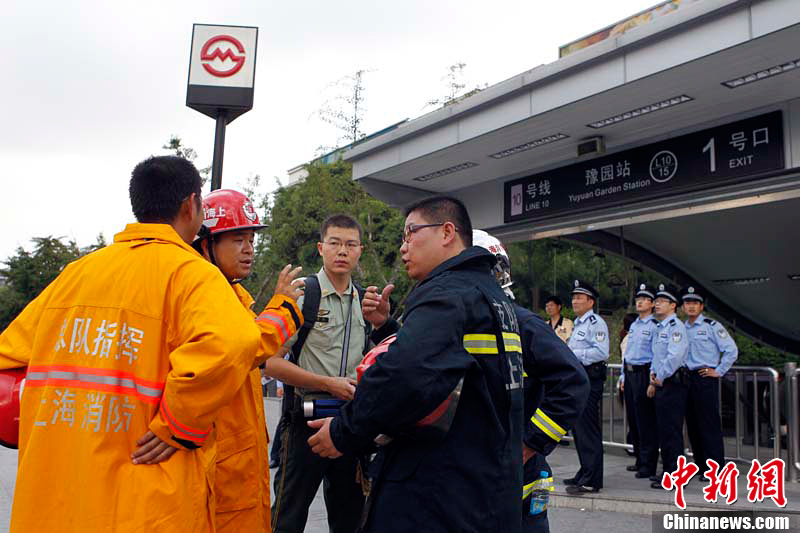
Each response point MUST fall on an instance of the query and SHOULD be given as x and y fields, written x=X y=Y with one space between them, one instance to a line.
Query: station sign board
x=731 y=153
x=222 y=69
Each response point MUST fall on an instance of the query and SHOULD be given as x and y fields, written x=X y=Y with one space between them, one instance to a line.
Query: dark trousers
x=277 y=438
x=298 y=478
x=670 y=410
x=537 y=523
x=630 y=416
x=588 y=435
x=644 y=412
x=702 y=420
x=277 y=444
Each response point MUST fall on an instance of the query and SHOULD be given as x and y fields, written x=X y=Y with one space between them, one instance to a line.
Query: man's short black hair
x=339 y=220
x=441 y=209
x=555 y=299
x=628 y=320
x=159 y=185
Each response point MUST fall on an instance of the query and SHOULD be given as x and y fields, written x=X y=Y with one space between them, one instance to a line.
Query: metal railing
x=791 y=373
x=756 y=406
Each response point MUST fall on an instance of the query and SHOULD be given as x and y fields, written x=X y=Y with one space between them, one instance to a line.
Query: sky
x=90 y=87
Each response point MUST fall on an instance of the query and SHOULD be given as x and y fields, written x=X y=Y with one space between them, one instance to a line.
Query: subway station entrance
x=675 y=144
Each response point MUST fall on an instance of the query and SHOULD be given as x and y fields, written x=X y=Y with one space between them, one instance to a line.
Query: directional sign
x=222 y=69
x=736 y=152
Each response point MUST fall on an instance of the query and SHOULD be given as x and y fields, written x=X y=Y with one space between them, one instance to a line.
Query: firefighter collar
x=162 y=232
x=469 y=257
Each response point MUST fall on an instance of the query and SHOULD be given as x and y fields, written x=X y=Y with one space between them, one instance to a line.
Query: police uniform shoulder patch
x=721 y=333
x=654 y=321
x=672 y=322
x=676 y=336
x=709 y=321
x=592 y=319
x=600 y=336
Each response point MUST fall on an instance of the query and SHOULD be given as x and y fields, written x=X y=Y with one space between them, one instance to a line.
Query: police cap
x=581 y=287
x=669 y=292
x=692 y=293
x=646 y=290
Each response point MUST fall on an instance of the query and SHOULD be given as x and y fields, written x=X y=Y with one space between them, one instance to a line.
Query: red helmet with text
x=228 y=210
x=502 y=270
x=10 y=388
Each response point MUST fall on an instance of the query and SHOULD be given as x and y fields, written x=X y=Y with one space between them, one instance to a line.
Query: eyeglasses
x=350 y=246
x=413 y=228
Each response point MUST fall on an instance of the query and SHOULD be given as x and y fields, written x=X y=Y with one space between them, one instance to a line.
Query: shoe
x=656 y=485
x=581 y=489
x=570 y=482
x=273 y=463
x=631 y=468
x=656 y=477
x=641 y=475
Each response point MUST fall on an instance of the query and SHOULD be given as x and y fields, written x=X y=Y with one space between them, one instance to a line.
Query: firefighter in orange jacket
x=143 y=338
x=242 y=478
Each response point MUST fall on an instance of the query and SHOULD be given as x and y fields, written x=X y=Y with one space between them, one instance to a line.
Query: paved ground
x=625 y=503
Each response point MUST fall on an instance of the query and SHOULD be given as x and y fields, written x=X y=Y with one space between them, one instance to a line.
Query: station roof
x=704 y=51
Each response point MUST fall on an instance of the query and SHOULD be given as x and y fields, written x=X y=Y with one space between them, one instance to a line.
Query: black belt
x=637 y=368
x=595 y=365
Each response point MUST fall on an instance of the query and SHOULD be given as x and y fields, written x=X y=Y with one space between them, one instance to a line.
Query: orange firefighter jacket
x=242 y=477
x=142 y=335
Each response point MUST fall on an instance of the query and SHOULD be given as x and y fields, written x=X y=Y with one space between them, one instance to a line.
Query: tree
x=26 y=274
x=454 y=85
x=345 y=111
x=176 y=146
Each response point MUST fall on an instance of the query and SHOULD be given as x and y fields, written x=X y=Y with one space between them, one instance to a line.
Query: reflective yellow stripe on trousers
x=530 y=487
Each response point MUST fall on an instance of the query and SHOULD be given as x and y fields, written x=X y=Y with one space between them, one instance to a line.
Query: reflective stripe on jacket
x=141 y=335
x=458 y=325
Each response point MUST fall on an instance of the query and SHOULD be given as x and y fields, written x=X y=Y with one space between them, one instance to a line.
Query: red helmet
x=228 y=210
x=372 y=356
x=10 y=384
x=438 y=421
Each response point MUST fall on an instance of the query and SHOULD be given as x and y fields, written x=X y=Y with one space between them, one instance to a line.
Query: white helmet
x=502 y=270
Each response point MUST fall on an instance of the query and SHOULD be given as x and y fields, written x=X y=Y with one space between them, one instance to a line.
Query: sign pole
x=219 y=150
x=222 y=69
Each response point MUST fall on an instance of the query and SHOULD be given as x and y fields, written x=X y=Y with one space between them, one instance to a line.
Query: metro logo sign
x=223 y=56
x=222 y=70
x=217 y=44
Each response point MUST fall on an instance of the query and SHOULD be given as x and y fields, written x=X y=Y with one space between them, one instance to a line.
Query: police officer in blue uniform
x=668 y=377
x=589 y=343
x=712 y=352
x=459 y=327
x=638 y=356
x=556 y=388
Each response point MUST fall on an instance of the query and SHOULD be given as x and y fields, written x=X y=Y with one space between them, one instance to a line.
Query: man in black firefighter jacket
x=556 y=388
x=459 y=329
